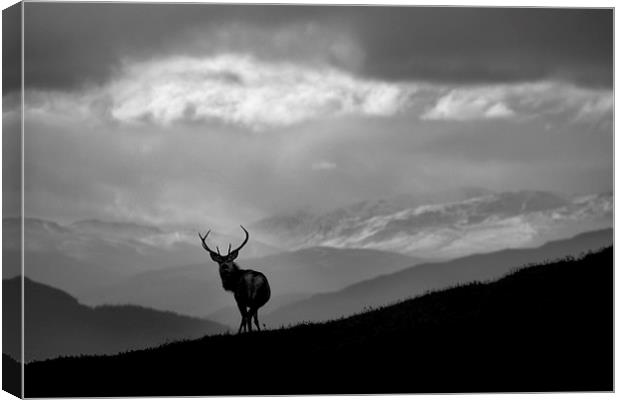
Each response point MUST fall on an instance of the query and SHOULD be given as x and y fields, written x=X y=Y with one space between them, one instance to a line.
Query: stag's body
x=251 y=291
x=250 y=288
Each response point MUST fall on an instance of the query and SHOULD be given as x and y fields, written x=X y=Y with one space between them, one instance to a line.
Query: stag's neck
x=230 y=277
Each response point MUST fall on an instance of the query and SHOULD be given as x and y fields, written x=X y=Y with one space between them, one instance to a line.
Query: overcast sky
x=220 y=115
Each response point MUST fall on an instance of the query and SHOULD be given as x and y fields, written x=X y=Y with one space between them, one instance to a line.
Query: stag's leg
x=256 y=319
x=242 y=325
x=248 y=321
x=244 y=313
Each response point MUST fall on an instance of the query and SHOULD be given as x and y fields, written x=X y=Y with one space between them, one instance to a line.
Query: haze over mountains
x=87 y=255
x=57 y=324
x=103 y=262
x=196 y=289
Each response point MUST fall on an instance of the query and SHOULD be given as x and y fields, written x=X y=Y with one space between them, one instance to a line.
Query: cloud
x=323 y=165
x=468 y=45
x=462 y=105
x=217 y=175
x=521 y=100
x=595 y=109
x=229 y=88
x=149 y=121
x=241 y=91
x=498 y=110
x=459 y=45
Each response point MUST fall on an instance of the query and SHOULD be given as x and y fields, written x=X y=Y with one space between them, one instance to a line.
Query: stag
x=250 y=288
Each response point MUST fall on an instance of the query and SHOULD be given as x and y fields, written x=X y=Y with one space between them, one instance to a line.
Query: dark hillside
x=56 y=324
x=11 y=376
x=422 y=278
x=543 y=328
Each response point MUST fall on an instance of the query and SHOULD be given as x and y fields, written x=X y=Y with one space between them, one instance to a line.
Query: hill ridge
x=398 y=285
x=56 y=323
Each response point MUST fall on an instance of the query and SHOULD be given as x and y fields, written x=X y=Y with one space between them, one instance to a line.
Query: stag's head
x=226 y=262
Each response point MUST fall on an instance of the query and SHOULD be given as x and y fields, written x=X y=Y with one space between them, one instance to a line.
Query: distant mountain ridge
x=484 y=223
x=57 y=324
x=102 y=262
x=196 y=289
x=85 y=256
x=127 y=245
x=425 y=277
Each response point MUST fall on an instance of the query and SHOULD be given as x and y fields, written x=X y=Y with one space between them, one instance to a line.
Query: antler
x=247 y=237
x=204 y=244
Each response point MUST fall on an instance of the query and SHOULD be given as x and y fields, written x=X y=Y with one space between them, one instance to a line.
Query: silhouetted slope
x=11 y=376
x=543 y=328
x=56 y=324
x=12 y=322
x=430 y=276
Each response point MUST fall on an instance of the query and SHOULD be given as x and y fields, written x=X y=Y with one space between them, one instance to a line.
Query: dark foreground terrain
x=543 y=328
x=57 y=324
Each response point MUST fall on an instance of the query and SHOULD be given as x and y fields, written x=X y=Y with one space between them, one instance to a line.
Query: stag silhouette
x=250 y=288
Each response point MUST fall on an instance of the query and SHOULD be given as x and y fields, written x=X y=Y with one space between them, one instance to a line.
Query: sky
x=224 y=114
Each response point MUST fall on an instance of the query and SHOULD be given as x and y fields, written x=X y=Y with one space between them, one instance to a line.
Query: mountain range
x=303 y=254
x=56 y=324
x=483 y=223
x=85 y=256
x=426 y=277
x=197 y=290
